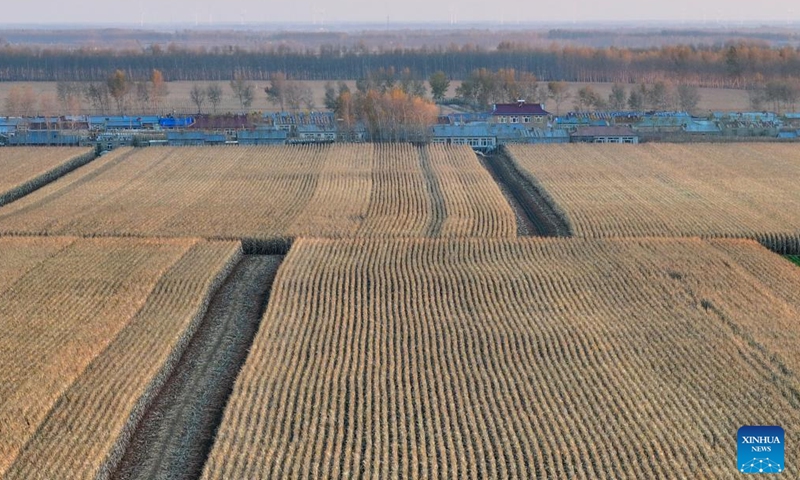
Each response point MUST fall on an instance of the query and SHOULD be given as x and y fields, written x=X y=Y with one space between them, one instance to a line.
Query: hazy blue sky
x=439 y=11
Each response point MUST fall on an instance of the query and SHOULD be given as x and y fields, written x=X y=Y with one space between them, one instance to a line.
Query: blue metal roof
x=572 y=121
x=468 y=130
x=314 y=128
x=513 y=131
x=702 y=126
x=10 y=121
x=748 y=116
x=169 y=122
x=477 y=130
x=263 y=134
x=550 y=133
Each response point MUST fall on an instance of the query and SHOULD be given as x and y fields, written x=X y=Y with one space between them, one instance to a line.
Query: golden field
x=409 y=332
x=90 y=329
x=22 y=166
x=269 y=193
x=532 y=358
x=661 y=190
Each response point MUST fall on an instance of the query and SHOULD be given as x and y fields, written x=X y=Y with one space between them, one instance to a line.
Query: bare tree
x=214 y=92
x=284 y=93
x=48 y=106
x=616 y=100
x=20 y=101
x=198 y=95
x=688 y=97
x=69 y=97
x=98 y=97
x=559 y=93
x=243 y=91
x=142 y=96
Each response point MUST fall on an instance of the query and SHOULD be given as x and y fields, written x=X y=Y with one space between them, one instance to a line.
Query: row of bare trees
x=658 y=96
x=116 y=94
x=484 y=88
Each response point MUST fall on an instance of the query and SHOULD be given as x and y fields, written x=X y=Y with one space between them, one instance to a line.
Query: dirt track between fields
x=177 y=432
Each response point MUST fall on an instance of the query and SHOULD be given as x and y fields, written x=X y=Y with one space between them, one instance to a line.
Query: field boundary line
x=62 y=191
x=46 y=178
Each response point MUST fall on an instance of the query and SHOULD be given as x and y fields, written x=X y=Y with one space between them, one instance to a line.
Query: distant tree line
x=737 y=65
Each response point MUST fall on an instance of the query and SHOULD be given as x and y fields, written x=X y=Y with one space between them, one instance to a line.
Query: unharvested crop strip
x=176 y=434
x=48 y=177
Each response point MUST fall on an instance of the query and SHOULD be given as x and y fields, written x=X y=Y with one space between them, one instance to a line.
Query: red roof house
x=520 y=112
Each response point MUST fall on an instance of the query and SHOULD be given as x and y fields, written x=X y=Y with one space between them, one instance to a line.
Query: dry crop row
x=22 y=170
x=529 y=358
x=89 y=330
x=269 y=193
x=709 y=190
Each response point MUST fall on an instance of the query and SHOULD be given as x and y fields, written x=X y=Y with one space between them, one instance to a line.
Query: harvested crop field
x=26 y=169
x=90 y=328
x=271 y=193
x=709 y=190
x=515 y=358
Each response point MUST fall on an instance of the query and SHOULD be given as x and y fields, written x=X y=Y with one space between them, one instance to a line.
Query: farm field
x=90 y=328
x=711 y=99
x=24 y=169
x=271 y=193
x=515 y=358
x=661 y=190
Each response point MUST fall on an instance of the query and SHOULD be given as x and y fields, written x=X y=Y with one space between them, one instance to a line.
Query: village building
x=519 y=113
x=616 y=134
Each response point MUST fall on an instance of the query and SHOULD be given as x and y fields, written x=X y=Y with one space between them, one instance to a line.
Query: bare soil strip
x=176 y=434
x=535 y=216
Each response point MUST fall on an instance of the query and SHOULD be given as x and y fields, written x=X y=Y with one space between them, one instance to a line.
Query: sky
x=205 y=12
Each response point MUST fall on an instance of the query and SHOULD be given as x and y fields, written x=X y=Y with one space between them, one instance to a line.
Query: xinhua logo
x=761 y=450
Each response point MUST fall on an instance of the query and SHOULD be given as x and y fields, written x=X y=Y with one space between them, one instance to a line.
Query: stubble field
x=663 y=190
x=23 y=169
x=89 y=329
x=271 y=193
x=514 y=359
x=409 y=333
